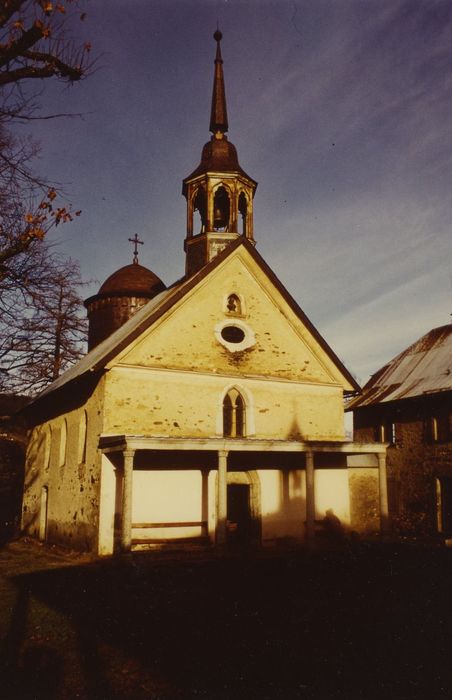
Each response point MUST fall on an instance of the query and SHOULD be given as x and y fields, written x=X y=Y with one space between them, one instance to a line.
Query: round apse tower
x=120 y=296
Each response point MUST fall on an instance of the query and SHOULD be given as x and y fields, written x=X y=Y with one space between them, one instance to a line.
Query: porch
x=220 y=462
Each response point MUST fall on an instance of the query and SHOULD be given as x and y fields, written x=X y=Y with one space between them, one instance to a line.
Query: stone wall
x=159 y=403
x=414 y=461
x=61 y=495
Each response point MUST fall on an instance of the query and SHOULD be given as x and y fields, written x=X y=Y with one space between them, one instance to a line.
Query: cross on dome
x=136 y=241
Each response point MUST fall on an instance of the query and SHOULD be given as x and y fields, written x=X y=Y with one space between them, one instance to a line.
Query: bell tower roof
x=218 y=114
x=219 y=193
x=218 y=154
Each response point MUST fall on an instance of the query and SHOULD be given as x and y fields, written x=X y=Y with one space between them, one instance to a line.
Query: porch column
x=205 y=501
x=222 y=505
x=310 y=498
x=383 y=492
x=126 y=515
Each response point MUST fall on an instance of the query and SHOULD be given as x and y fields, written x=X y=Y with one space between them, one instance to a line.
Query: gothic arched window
x=233 y=414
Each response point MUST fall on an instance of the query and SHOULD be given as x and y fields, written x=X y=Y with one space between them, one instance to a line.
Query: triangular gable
x=285 y=344
x=113 y=347
x=354 y=386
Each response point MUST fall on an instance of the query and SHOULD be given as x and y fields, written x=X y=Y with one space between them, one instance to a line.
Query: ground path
x=364 y=622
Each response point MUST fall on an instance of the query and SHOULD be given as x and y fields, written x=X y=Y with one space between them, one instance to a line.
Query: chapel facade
x=207 y=412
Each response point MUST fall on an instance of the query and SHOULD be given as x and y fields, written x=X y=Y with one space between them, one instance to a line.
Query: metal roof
x=423 y=368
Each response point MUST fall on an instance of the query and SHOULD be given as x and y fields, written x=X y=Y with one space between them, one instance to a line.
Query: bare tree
x=27 y=204
x=34 y=43
x=42 y=326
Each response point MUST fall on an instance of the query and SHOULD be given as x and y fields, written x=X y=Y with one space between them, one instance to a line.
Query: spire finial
x=218 y=115
x=136 y=241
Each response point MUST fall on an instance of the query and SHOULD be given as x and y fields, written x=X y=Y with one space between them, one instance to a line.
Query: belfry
x=219 y=193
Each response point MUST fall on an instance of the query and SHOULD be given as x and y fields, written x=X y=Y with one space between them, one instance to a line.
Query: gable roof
x=97 y=358
x=423 y=368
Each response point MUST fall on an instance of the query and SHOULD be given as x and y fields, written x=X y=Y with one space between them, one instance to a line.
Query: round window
x=236 y=336
x=232 y=334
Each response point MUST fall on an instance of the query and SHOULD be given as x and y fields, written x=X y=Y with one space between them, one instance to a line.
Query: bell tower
x=219 y=193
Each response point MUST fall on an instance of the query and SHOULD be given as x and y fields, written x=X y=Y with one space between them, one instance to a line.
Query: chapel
x=209 y=412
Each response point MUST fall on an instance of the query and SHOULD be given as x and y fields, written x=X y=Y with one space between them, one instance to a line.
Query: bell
x=219 y=219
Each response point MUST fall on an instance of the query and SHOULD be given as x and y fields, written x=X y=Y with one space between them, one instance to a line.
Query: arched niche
x=63 y=441
x=234 y=305
x=82 y=437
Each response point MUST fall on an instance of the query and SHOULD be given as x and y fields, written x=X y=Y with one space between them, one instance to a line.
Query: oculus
x=236 y=336
x=233 y=334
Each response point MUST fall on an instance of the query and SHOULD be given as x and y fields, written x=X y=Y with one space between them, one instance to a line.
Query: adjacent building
x=408 y=404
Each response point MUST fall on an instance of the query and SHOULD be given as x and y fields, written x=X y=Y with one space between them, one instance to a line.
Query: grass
x=368 y=622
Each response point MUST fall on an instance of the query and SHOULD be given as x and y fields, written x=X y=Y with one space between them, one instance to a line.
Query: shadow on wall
x=294 y=432
x=272 y=627
x=333 y=529
x=30 y=475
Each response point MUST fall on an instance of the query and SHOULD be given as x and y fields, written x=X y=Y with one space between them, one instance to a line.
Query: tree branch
x=53 y=67
x=18 y=48
x=61 y=68
x=8 y=8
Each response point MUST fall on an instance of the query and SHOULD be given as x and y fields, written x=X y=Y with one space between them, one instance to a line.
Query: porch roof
x=118 y=443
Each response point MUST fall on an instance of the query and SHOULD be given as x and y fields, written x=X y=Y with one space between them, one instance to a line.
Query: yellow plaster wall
x=332 y=494
x=284 y=501
x=73 y=487
x=169 y=497
x=184 y=404
x=109 y=505
x=185 y=339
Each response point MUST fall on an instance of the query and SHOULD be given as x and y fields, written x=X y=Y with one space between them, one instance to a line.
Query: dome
x=119 y=298
x=218 y=155
x=132 y=280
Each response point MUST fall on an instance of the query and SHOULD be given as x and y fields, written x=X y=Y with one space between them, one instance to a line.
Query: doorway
x=238 y=514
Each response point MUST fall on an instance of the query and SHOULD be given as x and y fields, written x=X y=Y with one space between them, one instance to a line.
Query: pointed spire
x=218 y=115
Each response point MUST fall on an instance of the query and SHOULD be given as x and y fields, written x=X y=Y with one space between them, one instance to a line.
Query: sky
x=340 y=109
